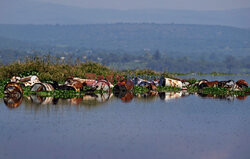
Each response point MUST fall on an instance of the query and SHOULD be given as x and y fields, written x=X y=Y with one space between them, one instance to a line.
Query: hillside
x=182 y=39
x=34 y=12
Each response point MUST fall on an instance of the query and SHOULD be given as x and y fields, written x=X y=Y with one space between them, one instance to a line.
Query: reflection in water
x=172 y=95
x=222 y=97
x=13 y=101
x=41 y=100
x=92 y=99
x=127 y=97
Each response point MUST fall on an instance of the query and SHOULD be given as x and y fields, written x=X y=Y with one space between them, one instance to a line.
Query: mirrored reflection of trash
x=123 y=90
x=41 y=100
x=81 y=100
x=240 y=97
x=222 y=97
x=167 y=96
x=97 y=97
x=13 y=101
x=76 y=100
x=147 y=94
x=231 y=85
x=127 y=97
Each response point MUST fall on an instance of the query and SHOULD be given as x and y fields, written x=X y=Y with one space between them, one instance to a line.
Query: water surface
x=169 y=125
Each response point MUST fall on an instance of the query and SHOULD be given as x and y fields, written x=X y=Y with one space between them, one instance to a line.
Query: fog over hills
x=34 y=12
x=182 y=39
x=158 y=39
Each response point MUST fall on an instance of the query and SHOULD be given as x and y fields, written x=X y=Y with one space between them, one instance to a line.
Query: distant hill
x=34 y=12
x=175 y=38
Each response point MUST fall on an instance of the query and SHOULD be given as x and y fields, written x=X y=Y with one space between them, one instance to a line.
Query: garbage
x=27 y=81
x=145 y=83
x=13 y=95
x=102 y=85
x=242 y=83
x=77 y=85
x=205 y=83
x=37 y=87
x=13 y=88
x=123 y=86
x=170 y=83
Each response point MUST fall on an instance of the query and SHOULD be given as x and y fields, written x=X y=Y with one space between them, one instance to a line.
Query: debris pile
x=121 y=89
x=230 y=84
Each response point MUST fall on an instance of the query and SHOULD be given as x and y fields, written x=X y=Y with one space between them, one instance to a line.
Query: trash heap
x=125 y=89
x=14 y=88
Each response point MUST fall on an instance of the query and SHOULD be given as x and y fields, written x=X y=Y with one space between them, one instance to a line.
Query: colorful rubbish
x=242 y=83
x=37 y=87
x=123 y=86
x=102 y=85
x=27 y=81
x=170 y=83
x=75 y=84
x=13 y=88
x=13 y=94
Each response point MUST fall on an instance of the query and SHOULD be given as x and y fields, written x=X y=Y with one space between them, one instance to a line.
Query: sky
x=165 y=4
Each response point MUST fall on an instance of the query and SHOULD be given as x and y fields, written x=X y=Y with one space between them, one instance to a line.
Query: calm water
x=169 y=125
x=219 y=78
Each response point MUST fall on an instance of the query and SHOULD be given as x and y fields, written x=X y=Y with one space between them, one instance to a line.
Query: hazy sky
x=168 y=4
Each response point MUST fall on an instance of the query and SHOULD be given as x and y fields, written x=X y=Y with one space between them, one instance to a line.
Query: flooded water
x=165 y=125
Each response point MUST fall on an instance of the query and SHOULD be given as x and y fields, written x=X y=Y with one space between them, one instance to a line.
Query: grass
x=224 y=91
x=50 y=69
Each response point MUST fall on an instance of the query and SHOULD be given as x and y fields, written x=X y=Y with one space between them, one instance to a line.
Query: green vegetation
x=49 y=69
x=224 y=91
x=218 y=91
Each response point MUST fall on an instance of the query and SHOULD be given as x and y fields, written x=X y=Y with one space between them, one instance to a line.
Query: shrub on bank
x=48 y=69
